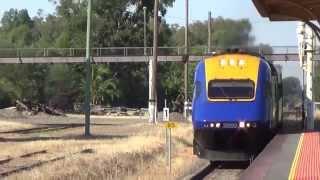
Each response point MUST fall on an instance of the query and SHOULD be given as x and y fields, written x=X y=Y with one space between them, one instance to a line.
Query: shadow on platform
x=294 y=125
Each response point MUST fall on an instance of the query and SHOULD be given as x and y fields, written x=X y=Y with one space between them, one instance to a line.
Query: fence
x=130 y=51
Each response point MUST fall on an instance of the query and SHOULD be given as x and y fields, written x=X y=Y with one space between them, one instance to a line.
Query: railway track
x=45 y=128
x=220 y=170
x=28 y=161
x=12 y=165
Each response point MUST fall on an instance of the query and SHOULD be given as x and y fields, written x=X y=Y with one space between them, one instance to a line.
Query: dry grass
x=11 y=126
x=140 y=156
x=182 y=159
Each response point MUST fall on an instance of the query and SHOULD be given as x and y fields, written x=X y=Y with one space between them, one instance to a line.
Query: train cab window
x=231 y=89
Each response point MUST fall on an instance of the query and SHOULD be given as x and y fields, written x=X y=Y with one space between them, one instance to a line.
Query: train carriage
x=237 y=106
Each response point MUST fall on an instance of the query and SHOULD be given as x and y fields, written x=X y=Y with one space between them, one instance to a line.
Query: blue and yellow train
x=237 y=106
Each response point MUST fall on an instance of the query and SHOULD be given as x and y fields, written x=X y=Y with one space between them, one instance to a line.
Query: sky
x=31 y=5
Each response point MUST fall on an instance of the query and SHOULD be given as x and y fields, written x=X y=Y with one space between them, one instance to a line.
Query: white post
x=166 y=112
x=309 y=57
x=301 y=42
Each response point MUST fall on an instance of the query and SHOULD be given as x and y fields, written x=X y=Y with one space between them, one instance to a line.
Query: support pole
x=310 y=39
x=153 y=68
x=169 y=151
x=186 y=44
x=88 y=72
x=209 y=32
x=303 y=101
x=145 y=30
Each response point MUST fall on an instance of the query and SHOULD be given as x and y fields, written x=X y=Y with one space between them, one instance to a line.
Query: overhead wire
x=315 y=28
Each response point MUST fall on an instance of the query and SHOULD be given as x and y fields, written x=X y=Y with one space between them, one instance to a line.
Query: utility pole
x=186 y=44
x=88 y=72
x=145 y=30
x=209 y=32
x=153 y=68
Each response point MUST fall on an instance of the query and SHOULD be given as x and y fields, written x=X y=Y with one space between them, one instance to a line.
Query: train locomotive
x=237 y=106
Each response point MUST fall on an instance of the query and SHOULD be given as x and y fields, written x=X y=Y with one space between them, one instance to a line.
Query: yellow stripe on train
x=232 y=66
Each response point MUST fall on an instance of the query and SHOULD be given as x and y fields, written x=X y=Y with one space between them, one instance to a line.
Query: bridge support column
x=88 y=73
x=152 y=107
x=153 y=68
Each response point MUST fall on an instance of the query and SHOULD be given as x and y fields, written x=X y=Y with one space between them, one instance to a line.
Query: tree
x=63 y=86
x=14 y=18
x=24 y=81
x=104 y=85
x=292 y=90
x=226 y=33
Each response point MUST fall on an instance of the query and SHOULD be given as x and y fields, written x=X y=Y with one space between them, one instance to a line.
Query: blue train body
x=231 y=129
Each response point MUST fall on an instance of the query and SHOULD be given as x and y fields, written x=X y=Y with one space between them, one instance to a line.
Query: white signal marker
x=223 y=62
x=232 y=62
x=242 y=62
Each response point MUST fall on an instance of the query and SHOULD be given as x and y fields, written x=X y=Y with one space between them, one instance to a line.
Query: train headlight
x=218 y=125
x=242 y=63
x=232 y=62
x=223 y=62
x=242 y=124
x=254 y=125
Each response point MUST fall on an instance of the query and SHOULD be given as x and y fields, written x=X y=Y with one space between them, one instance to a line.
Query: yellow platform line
x=295 y=160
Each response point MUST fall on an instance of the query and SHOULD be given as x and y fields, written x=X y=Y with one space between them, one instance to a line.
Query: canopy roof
x=289 y=10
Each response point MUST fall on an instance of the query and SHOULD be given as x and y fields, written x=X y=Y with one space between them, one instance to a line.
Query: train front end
x=230 y=113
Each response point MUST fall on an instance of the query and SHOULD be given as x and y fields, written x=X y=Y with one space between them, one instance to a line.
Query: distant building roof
x=289 y=10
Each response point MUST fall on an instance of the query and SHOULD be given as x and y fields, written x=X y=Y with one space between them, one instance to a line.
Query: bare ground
x=50 y=147
x=120 y=148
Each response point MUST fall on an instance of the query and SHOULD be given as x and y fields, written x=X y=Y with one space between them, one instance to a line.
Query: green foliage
x=14 y=18
x=16 y=29
x=104 y=85
x=23 y=81
x=226 y=33
x=62 y=86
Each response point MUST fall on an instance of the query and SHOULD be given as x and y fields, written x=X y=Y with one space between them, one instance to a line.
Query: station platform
x=288 y=156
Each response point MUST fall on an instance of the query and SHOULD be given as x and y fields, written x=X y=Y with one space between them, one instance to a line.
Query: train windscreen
x=231 y=89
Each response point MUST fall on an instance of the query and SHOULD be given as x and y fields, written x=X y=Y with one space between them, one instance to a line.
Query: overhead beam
x=287 y=10
x=132 y=59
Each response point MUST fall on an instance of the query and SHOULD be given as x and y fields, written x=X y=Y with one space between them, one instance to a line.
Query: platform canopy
x=289 y=10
